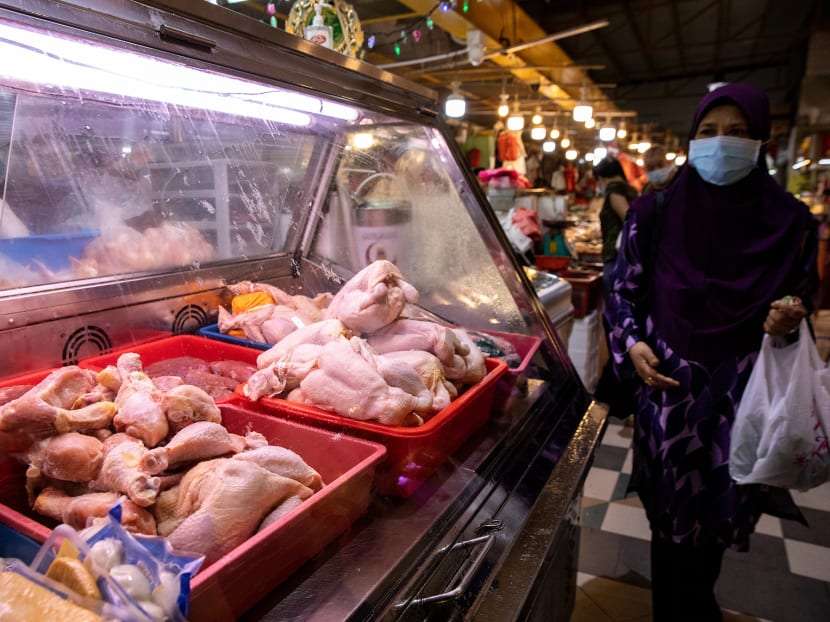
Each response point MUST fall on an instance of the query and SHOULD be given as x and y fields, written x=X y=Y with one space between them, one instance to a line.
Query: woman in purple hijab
x=702 y=273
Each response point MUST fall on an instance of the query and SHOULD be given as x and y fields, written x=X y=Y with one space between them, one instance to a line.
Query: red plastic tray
x=231 y=585
x=173 y=347
x=525 y=346
x=413 y=454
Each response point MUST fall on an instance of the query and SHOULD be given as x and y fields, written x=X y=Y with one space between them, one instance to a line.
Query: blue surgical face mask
x=659 y=175
x=723 y=160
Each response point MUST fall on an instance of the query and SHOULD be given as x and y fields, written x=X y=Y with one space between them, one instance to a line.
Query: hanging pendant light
x=537 y=116
x=622 y=132
x=504 y=109
x=583 y=110
x=515 y=122
x=554 y=133
x=455 y=106
x=607 y=132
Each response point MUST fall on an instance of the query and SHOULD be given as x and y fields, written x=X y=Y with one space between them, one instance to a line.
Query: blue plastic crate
x=51 y=249
x=211 y=331
x=17 y=546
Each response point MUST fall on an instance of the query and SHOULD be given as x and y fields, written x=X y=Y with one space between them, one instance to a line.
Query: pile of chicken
x=90 y=438
x=363 y=355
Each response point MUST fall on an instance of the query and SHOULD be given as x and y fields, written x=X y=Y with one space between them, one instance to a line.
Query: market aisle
x=785 y=577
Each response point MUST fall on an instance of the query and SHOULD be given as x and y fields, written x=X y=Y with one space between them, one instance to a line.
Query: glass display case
x=154 y=154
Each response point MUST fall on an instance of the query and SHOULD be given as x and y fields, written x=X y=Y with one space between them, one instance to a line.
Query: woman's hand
x=784 y=316
x=645 y=364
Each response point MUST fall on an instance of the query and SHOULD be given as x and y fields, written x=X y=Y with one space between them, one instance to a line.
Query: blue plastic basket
x=17 y=546
x=211 y=331
x=51 y=249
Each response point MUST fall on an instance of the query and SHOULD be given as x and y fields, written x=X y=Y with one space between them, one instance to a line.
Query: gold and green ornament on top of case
x=346 y=31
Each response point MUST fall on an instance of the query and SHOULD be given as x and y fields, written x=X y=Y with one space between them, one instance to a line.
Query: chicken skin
x=121 y=471
x=77 y=511
x=372 y=298
x=198 y=441
x=283 y=462
x=50 y=407
x=71 y=457
x=140 y=412
x=353 y=382
x=220 y=503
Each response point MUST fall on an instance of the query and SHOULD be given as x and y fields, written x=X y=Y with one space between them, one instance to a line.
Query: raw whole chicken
x=372 y=298
x=431 y=372
x=319 y=333
x=76 y=511
x=424 y=335
x=198 y=441
x=140 y=412
x=121 y=471
x=283 y=375
x=220 y=503
x=49 y=408
x=353 y=381
x=272 y=322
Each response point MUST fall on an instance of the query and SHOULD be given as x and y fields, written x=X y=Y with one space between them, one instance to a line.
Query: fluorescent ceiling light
x=59 y=62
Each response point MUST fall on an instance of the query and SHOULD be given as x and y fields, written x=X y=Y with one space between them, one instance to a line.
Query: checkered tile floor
x=785 y=577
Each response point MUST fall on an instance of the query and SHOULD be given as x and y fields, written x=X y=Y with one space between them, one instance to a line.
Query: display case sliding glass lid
x=298 y=188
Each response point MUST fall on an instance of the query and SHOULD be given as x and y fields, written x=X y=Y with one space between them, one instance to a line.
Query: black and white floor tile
x=785 y=577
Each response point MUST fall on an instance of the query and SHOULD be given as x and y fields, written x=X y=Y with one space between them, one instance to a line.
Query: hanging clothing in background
x=474 y=157
x=570 y=178
x=507 y=146
x=517 y=163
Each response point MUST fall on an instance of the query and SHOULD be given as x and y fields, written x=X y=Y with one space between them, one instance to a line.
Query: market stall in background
x=220 y=256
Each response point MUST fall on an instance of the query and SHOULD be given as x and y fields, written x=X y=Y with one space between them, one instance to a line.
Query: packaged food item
x=123 y=577
x=26 y=598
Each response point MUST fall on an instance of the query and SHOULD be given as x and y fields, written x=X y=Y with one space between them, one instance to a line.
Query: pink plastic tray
x=231 y=585
x=413 y=454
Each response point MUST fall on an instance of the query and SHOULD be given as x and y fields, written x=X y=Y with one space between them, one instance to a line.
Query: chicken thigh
x=283 y=462
x=220 y=503
x=71 y=457
x=50 y=408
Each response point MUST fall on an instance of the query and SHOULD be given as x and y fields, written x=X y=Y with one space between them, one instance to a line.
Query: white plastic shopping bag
x=779 y=436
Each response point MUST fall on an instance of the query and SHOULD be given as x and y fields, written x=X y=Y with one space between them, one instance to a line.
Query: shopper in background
x=699 y=283
x=659 y=171
x=618 y=195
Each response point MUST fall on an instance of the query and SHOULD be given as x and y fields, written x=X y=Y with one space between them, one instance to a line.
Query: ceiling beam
x=523 y=29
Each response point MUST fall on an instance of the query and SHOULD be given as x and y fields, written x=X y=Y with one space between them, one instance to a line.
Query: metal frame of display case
x=496 y=527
